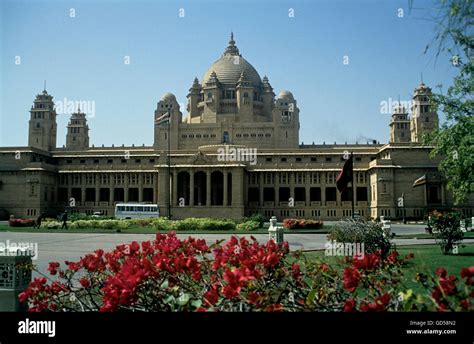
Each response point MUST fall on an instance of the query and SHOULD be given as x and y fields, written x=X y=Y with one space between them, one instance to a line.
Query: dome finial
x=231 y=49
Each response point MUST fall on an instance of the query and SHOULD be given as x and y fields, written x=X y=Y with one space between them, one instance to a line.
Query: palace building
x=234 y=151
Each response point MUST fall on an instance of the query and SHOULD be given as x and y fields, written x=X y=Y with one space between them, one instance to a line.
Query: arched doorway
x=217 y=188
x=200 y=187
x=183 y=188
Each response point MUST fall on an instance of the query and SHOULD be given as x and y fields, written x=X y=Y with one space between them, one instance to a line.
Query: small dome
x=168 y=97
x=285 y=94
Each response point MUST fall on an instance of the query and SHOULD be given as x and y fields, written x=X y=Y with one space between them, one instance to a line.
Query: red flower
x=274 y=308
x=53 y=268
x=296 y=271
x=212 y=295
x=441 y=272
x=379 y=305
x=85 y=282
x=369 y=263
x=350 y=279
x=467 y=272
x=350 y=305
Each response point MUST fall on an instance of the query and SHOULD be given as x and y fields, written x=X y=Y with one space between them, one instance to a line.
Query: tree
x=454 y=141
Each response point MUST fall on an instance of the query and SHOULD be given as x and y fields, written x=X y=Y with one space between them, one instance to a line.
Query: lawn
x=150 y=230
x=427 y=236
x=427 y=259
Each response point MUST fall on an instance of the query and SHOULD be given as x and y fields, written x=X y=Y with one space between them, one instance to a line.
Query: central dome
x=230 y=66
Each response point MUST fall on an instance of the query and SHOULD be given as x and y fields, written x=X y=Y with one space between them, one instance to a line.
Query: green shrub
x=374 y=237
x=447 y=230
x=193 y=224
x=248 y=226
x=255 y=217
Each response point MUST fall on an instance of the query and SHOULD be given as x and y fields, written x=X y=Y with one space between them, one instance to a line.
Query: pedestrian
x=64 y=218
x=38 y=221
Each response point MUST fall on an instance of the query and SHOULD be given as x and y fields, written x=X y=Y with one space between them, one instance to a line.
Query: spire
x=422 y=83
x=231 y=49
x=44 y=88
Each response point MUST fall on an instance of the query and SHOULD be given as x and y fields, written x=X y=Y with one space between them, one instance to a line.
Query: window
x=358 y=158
x=328 y=159
x=123 y=161
x=68 y=161
x=313 y=159
x=209 y=95
x=226 y=137
x=110 y=161
x=152 y=160
x=82 y=161
x=268 y=159
x=427 y=119
x=96 y=161
x=246 y=94
x=298 y=159
x=283 y=159
x=138 y=161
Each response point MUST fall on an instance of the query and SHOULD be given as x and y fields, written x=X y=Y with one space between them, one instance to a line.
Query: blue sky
x=82 y=58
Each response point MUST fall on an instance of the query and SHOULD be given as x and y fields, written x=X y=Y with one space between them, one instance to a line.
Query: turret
x=77 y=137
x=42 y=125
x=424 y=118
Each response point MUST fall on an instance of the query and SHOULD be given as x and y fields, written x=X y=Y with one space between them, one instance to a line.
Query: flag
x=345 y=176
x=163 y=119
x=420 y=181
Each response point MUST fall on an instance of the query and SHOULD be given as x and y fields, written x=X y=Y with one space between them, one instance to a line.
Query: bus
x=136 y=210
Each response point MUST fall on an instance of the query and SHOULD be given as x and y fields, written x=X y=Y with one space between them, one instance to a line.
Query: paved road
x=71 y=246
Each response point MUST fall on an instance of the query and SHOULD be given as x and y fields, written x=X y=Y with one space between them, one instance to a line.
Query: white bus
x=136 y=210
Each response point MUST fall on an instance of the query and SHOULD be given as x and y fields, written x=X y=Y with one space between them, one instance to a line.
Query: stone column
x=125 y=188
x=83 y=195
x=111 y=196
x=292 y=184
x=307 y=188
x=191 y=187
x=97 y=189
x=208 y=188
x=140 y=187
x=225 y=191
x=175 y=189
x=155 y=187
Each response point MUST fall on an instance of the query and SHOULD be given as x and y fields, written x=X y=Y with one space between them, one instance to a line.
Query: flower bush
x=302 y=224
x=169 y=274
x=374 y=237
x=21 y=222
x=447 y=230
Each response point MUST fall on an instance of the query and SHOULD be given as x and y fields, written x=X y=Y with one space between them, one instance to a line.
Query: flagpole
x=352 y=183
x=169 y=165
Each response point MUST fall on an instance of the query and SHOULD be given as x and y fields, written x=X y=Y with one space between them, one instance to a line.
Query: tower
x=424 y=119
x=167 y=105
x=77 y=137
x=194 y=97
x=286 y=120
x=399 y=125
x=245 y=98
x=42 y=125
